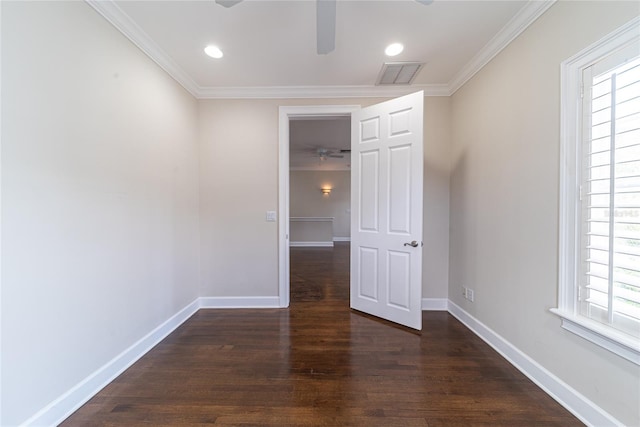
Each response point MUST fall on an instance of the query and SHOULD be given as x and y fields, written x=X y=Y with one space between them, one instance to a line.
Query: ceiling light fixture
x=394 y=49
x=213 y=51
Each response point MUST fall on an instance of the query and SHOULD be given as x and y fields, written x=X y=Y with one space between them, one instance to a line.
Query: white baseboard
x=584 y=409
x=342 y=239
x=65 y=405
x=434 y=304
x=239 y=302
x=311 y=244
x=58 y=410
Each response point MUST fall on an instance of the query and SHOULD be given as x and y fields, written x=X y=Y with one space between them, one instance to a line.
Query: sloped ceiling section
x=270 y=49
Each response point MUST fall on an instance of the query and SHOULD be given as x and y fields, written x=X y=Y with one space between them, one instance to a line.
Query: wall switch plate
x=271 y=216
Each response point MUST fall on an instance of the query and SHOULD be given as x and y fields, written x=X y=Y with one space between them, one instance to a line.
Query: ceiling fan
x=325 y=22
x=323 y=153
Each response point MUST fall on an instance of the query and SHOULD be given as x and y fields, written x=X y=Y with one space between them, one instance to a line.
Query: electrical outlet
x=468 y=293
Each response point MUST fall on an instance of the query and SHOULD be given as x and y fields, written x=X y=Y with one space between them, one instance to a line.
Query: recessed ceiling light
x=394 y=49
x=213 y=51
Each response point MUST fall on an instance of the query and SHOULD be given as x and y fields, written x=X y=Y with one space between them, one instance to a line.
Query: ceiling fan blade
x=335 y=156
x=345 y=150
x=326 y=26
x=228 y=3
x=425 y=2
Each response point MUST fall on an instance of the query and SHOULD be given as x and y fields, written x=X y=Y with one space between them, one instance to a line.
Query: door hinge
x=580 y=193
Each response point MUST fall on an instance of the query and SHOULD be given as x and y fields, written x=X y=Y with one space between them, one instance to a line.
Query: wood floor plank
x=320 y=364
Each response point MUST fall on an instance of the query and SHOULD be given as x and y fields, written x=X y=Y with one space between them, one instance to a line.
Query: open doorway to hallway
x=319 y=207
x=320 y=274
x=323 y=150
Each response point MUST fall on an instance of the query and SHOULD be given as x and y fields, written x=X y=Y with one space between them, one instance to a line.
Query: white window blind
x=609 y=276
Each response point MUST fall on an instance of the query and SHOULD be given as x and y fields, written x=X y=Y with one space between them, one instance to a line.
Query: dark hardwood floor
x=320 y=364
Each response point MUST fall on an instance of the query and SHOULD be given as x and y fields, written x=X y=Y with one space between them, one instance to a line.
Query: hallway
x=318 y=363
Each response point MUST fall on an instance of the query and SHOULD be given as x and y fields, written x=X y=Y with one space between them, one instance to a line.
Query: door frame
x=287 y=113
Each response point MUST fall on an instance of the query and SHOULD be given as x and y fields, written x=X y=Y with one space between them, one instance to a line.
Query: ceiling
x=308 y=137
x=270 y=51
x=270 y=46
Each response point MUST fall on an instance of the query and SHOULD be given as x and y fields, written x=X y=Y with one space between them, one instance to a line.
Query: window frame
x=600 y=334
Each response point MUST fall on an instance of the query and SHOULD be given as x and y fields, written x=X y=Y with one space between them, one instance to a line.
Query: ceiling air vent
x=398 y=73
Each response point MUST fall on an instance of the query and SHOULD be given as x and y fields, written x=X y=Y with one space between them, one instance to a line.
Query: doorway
x=385 y=207
x=287 y=114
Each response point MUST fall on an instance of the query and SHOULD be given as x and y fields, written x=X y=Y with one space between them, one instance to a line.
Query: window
x=599 y=296
x=610 y=216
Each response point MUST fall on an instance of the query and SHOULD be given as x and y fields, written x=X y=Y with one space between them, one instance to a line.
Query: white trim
x=311 y=219
x=283 y=205
x=284 y=114
x=342 y=239
x=61 y=408
x=434 y=304
x=239 y=302
x=0 y=206
x=569 y=195
x=332 y=168
x=606 y=337
x=69 y=402
x=569 y=183
x=309 y=111
x=591 y=54
x=315 y=92
x=520 y=22
x=311 y=244
x=584 y=409
x=127 y=26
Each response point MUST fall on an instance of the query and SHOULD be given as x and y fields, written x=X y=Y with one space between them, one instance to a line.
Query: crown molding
x=116 y=16
x=320 y=91
x=525 y=17
x=121 y=21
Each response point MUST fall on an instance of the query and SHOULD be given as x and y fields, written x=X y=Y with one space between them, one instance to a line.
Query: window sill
x=616 y=342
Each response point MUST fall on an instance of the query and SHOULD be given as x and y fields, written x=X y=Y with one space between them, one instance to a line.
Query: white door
x=386 y=215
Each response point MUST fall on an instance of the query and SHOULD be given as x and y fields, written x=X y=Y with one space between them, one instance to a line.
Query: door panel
x=370 y=129
x=399 y=279
x=400 y=190
x=369 y=191
x=386 y=183
x=368 y=283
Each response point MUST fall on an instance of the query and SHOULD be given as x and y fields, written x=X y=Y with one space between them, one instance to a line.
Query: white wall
x=504 y=201
x=435 y=223
x=104 y=234
x=239 y=183
x=306 y=199
x=99 y=199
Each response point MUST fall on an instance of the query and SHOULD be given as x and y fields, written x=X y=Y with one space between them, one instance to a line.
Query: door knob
x=413 y=243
